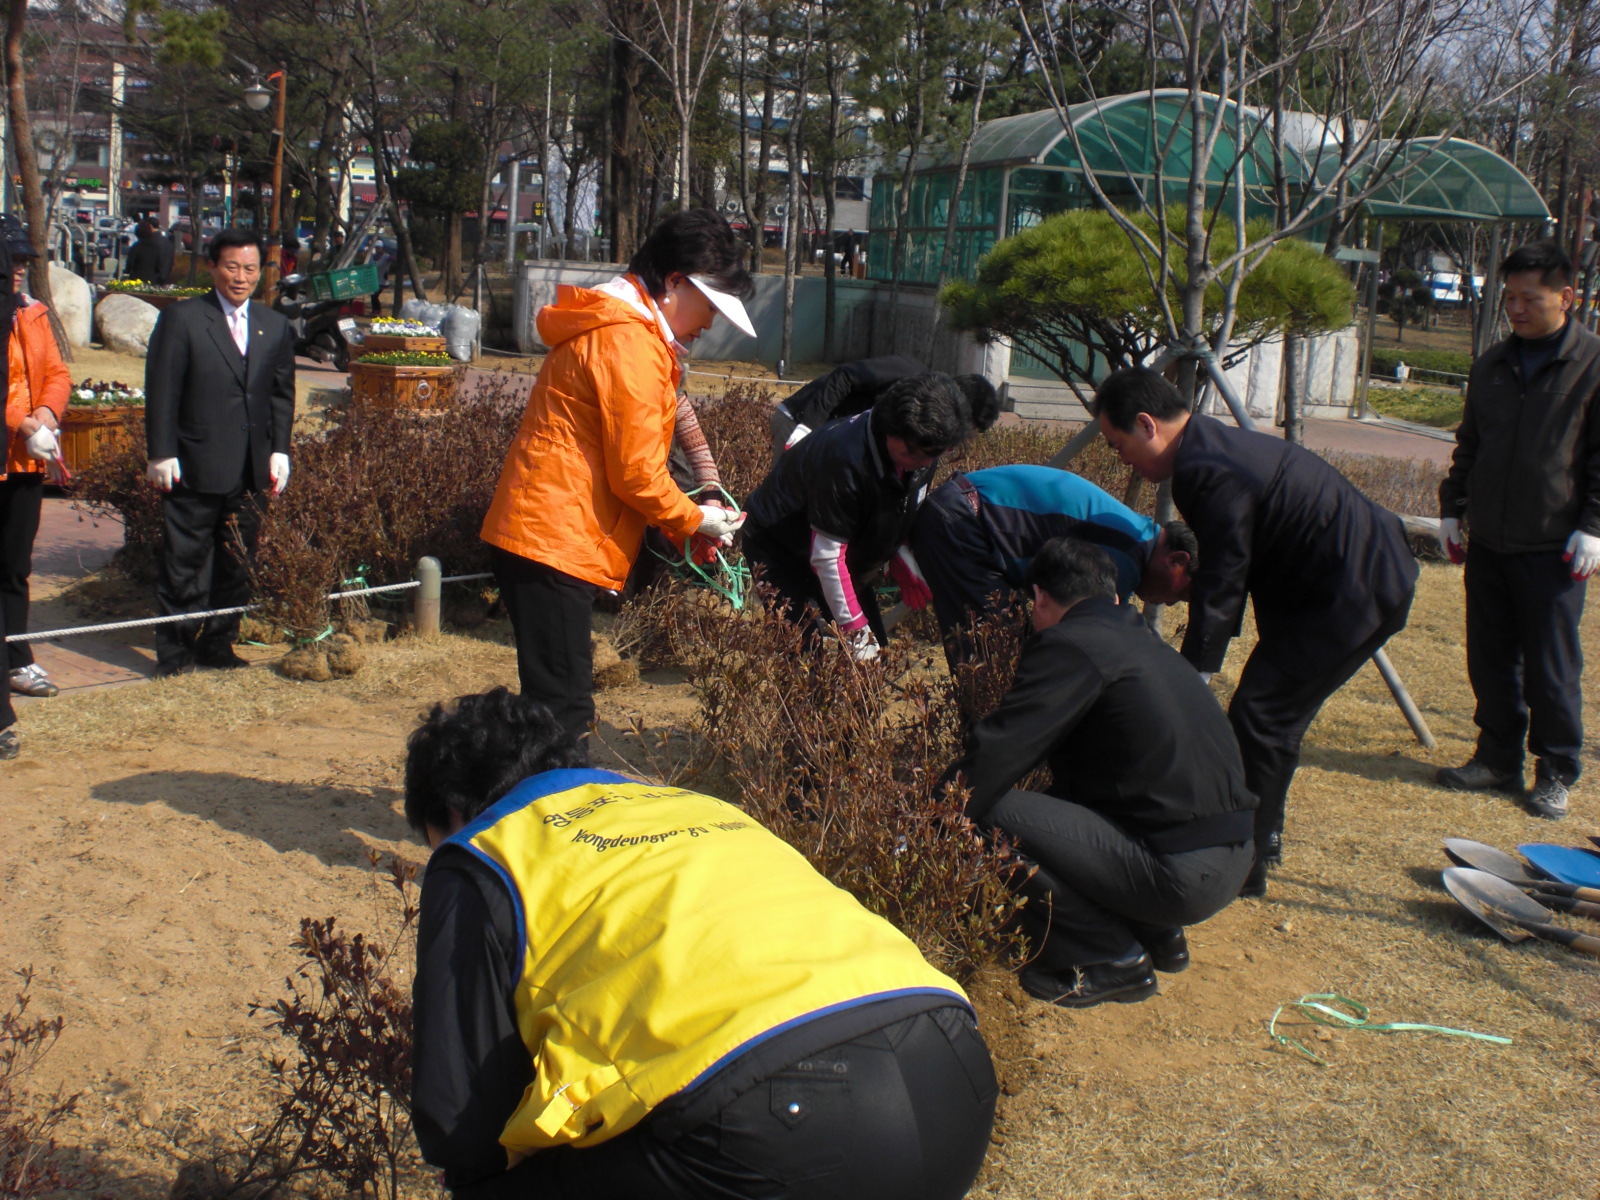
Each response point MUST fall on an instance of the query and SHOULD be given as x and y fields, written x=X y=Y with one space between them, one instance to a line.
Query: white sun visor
x=726 y=303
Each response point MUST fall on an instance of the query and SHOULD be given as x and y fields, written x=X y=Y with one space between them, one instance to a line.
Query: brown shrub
x=27 y=1130
x=113 y=487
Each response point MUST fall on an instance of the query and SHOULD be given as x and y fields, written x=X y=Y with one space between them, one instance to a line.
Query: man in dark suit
x=219 y=406
x=150 y=259
x=1329 y=572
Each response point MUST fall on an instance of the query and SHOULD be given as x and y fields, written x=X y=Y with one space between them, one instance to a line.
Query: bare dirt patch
x=165 y=840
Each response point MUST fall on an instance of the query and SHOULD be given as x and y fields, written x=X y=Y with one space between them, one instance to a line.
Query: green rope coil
x=729 y=579
x=1313 y=1009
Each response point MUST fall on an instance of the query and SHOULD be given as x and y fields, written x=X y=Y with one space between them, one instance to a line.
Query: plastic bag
x=422 y=310
x=460 y=326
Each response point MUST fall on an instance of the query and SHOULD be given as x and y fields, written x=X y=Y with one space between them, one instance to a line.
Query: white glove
x=1450 y=539
x=1205 y=678
x=1583 y=552
x=163 y=473
x=799 y=434
x=278 y=471
x=719 y=524
x=43 y=445
x=863 y=646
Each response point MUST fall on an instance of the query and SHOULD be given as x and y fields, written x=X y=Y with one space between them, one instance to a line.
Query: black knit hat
x=15 y=236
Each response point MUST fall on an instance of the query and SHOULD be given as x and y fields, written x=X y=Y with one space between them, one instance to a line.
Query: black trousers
x=21 y=501
x=1278 y=698
x=8 y=715
x=799 y=591
x=204 y=565
x=1100 y=892
x=964 y=569
x=550 y=617
x=1525 y=660
x=902 y=1113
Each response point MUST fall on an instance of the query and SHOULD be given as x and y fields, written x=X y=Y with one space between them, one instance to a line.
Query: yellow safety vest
x=666 y=932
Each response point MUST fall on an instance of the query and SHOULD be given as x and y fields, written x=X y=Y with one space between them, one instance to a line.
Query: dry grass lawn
x=164 y=840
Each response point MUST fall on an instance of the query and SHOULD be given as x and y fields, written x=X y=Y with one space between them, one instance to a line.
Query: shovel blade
x=1467 y=853
x=1460 y=883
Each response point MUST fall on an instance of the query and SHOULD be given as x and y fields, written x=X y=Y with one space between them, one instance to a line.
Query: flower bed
x=100 y=417
x=402 y=379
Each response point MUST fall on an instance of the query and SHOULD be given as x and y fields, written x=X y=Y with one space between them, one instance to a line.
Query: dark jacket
x=849 y=389
x=1526 y=470
x=1124 y=723
x=210 y=409
x=144 y=260
x=840 y=482
x=1323 y=564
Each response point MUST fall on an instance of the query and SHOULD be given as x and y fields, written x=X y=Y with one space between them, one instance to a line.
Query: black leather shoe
x=220 y=659
x=171 y=667
x=1125 y=980
x=1168 y=951
x=1255 y=883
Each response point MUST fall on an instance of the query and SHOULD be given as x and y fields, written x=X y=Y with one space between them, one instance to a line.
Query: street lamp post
x=257 y=98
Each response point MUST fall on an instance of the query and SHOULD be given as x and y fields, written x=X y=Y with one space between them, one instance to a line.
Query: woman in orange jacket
x=587 y=470
x=38 y=387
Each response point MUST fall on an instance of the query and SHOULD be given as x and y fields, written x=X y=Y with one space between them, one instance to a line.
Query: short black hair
x=1181 y=537
x=983 y=401
x=697 y=242
x=1070 y=570
x=929 y=412
x=146 y=228
x=230 y=237
x=1549 y=259
x=1123 y=395
x=471 y=751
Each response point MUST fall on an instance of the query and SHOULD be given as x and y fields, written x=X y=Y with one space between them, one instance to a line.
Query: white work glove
x=1583 y=552
x=43 y=444
x=799 y=434
x=1205 y=678
x=863 y=646
x=278 y=471
x=1450 y=539
x=163 y=473
x=719 y=524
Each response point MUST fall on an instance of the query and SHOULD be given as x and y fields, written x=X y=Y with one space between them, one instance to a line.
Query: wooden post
x=426 y=613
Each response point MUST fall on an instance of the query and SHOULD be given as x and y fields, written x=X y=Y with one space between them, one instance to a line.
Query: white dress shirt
x=238 y=319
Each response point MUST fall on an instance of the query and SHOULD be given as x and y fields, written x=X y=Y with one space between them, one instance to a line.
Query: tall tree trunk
x=1294 y=390
x=791 y=217
x=28 y=167
x=624 y=149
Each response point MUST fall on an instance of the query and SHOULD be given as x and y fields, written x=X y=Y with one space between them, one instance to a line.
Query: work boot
x=1548 y=798
x=1168 y=950
x=1475 y=775
x=1124 y=980
x=32 y=681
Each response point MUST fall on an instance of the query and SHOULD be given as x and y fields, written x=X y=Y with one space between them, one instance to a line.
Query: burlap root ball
x=611 y=670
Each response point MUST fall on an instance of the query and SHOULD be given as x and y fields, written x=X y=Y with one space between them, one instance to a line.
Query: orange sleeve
x=631 y=370
x=46 y=371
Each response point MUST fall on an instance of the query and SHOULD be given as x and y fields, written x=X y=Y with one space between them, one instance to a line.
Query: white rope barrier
x=238 y=610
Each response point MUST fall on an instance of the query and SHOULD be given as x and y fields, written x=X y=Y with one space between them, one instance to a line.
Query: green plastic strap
x=1313 y=1009
x=358 y=580
x=730 y=580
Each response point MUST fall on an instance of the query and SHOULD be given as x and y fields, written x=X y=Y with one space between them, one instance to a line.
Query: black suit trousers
x=1277 y=699
x=21 y=502
x=1525 y=660
x=204 y=565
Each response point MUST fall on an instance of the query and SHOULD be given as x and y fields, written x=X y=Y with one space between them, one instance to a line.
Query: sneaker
x=1549 y=799
x=1475 y=775
x=10 y=745
x=1125 y=980
x=32 y=681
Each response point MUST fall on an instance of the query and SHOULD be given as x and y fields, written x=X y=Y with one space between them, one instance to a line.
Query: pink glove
x=907 y=576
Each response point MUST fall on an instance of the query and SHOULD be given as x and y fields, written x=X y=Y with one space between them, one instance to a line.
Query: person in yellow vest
x=629 y=991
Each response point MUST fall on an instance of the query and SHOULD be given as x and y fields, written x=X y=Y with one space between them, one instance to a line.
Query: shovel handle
x=1578 y=908
x=1554 y=887
x=1569 y=938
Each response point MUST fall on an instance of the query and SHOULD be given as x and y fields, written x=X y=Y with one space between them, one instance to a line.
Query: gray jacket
x=1526 y=469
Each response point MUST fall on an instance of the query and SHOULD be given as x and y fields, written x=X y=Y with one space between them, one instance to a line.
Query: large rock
x=125 y=323
x=73 y=299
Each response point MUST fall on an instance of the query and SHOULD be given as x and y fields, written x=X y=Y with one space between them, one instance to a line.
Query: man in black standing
x=219 y=406
x=1329 y=572
x=146 y=260
x=1147 y=823
x=1525 y=484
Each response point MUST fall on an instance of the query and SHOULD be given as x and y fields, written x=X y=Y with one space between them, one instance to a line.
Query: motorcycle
x=321 y=331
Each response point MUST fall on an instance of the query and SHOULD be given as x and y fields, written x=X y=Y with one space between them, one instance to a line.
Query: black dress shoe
x=1168 y=951
x=171 y=667
x=1124 y=980
x=221 y=659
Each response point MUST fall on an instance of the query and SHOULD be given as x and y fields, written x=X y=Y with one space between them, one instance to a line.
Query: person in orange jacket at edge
x=38 y=388
x=587 y=470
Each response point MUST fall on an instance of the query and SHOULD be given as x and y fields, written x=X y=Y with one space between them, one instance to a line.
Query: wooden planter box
x=87 y=432
x=382 y=343
x=376 y=388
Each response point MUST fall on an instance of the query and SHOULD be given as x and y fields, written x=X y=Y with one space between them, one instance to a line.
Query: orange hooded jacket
x=587 y=470
x=38 y=378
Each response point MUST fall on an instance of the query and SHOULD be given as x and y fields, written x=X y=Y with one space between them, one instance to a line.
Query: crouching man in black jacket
x=1147 y=824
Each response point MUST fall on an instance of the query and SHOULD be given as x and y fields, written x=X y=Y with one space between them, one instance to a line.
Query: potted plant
x=99 y=415
x=402 y=379
x=386 y=334
x=157 y=294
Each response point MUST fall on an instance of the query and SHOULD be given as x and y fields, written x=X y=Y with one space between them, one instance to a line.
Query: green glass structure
x=1025 y=168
